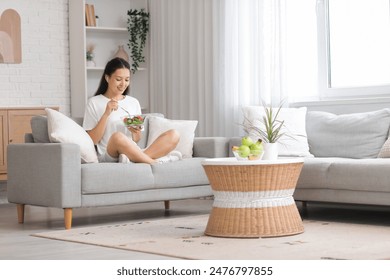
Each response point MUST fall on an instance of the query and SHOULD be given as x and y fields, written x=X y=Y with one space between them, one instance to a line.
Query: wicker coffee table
x=253 y=198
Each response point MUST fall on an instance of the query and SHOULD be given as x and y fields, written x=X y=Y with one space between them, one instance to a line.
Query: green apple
x=256 y=148
x=247 y=141
x=244 y=151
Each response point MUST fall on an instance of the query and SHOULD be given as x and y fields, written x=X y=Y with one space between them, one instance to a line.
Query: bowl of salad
x=134 y=121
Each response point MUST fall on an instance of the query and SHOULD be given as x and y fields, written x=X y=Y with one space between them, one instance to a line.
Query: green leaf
x=272 y=130
x=138 y=28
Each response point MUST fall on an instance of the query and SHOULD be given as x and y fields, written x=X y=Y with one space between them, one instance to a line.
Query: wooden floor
x=16 y=242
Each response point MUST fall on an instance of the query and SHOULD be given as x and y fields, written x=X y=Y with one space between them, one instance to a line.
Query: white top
x=234 y=161
x=95 y=109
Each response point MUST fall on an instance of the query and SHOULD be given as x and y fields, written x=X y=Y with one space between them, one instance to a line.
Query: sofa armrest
x=211 y=147
x=44 y=174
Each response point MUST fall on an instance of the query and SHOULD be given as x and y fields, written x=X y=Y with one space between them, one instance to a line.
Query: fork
x=124 y=110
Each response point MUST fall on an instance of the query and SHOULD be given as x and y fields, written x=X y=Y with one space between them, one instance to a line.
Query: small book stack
x=90 y=19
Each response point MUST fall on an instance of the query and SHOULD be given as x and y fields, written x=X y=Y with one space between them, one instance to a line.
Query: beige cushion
x=186 y=129
x=62 y=129
x=385 y=150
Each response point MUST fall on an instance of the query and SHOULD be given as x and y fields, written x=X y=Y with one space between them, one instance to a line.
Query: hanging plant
x=138 y=27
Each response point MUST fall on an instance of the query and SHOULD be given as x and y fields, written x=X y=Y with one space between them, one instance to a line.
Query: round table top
x=234 y=161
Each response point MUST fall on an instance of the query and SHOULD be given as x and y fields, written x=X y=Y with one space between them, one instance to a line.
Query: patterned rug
x=184 y=238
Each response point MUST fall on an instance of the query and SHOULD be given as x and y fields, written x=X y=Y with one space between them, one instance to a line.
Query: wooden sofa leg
x=68 y=218
x=20 y=209
x=166 y=204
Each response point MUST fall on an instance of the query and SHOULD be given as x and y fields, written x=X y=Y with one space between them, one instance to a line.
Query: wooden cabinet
x=106 y=37
x=14 y=124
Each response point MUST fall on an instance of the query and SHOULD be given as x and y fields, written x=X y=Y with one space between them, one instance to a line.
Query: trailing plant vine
x=138 y=27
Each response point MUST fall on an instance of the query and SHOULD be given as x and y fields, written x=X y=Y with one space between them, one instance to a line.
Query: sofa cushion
x=385 y=150
x=314 y=173
x=106 y=177
x=140 y=176
x=144 y=139
x=294 y=142
x=358 y=135
x=182 y=173
x=345 y=174
x=62 y=129
x=39 y=129
x=186 y=129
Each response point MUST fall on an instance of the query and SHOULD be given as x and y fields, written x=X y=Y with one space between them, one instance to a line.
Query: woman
x=103 y=120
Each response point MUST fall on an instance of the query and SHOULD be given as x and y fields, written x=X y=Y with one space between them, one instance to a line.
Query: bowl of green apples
x=249 y=149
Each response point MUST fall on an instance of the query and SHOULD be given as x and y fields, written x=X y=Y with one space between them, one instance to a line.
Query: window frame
x=326 y=92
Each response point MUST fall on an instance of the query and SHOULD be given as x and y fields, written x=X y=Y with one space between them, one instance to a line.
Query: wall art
x=10 y=37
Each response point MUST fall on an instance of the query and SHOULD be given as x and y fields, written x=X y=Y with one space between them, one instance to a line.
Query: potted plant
x=90 y=56
x=270 y=132
x=138 y=27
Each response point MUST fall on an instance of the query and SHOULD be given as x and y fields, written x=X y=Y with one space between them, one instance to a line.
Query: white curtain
x=211 y=57
x=181 y=65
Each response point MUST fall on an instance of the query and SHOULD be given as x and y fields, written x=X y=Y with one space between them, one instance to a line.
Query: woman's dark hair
x=111 y=66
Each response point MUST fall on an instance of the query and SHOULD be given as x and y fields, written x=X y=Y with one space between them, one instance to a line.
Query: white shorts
x=107 y=158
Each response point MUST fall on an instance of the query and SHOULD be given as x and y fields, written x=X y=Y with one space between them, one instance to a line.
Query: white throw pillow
x=186 y=129
x=62 y=129
x=296 y=143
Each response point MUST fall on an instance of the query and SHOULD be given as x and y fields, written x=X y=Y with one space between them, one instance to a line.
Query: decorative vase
x=122 y=53
x=91 y=63
x=270 y=151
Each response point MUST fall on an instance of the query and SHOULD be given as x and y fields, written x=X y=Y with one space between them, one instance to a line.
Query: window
x=353 y=48
x=301 y=51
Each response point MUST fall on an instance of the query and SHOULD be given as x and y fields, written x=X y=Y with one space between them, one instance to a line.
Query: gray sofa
x=345 y=168
x=51 y=175
x=351 y=161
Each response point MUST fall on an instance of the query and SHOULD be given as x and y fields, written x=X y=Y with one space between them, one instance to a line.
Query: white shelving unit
x=110 y=33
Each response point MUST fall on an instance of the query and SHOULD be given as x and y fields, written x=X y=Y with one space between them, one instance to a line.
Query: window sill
x=347 y=101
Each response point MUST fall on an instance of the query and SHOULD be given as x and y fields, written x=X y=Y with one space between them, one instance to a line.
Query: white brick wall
x=42 y=79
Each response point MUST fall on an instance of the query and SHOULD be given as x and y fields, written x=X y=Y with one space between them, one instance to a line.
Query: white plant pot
x=270 y=151
x=91 y=63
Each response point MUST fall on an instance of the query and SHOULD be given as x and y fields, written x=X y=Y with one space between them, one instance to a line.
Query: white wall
x=42 y=79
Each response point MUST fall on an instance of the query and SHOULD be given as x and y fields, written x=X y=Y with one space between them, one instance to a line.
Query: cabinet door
x=3 y=141
x=19 y=123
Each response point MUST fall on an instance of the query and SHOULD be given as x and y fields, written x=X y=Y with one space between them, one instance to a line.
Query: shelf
x=110 y=33
x=105 y=29
x=95 y=68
